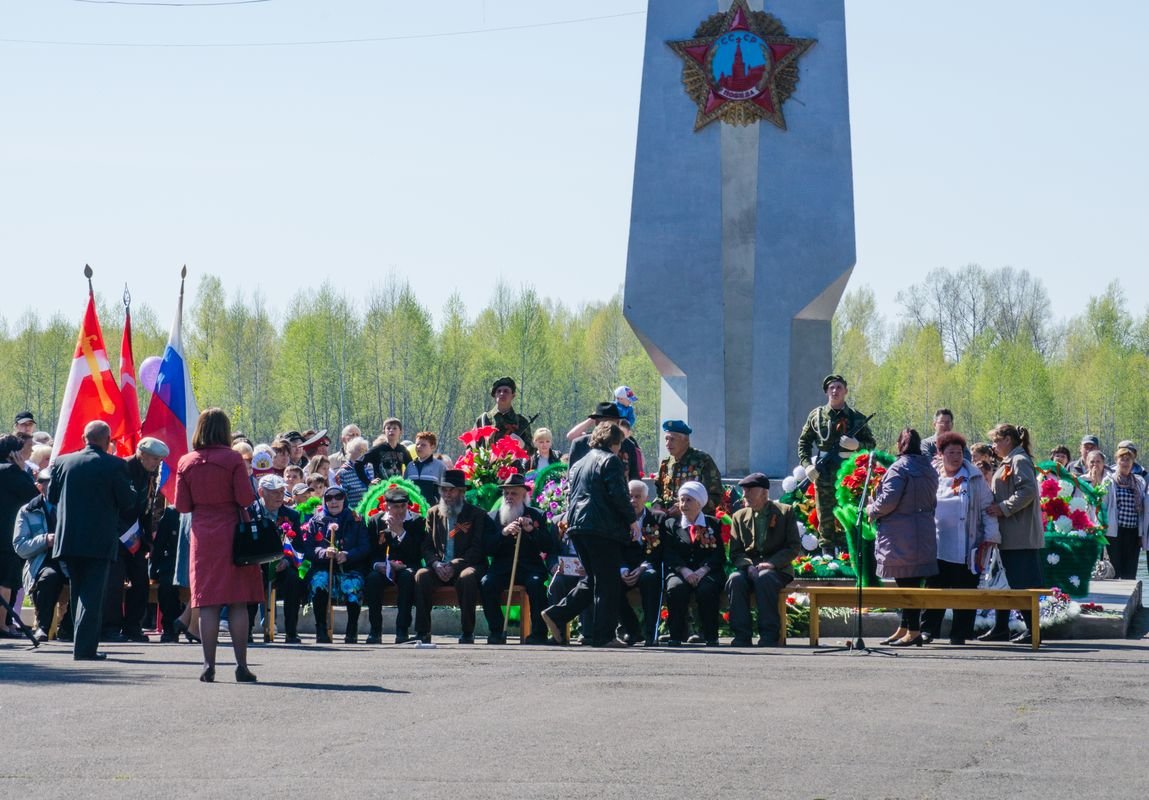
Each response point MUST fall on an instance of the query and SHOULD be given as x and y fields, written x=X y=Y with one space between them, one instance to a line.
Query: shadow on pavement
x=38 y=672
x=333 y=687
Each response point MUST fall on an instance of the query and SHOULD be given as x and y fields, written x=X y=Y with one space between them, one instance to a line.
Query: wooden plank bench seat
x=896 y=597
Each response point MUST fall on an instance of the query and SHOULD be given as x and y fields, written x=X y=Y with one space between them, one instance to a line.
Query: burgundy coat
x=212 y=484
x=906 y=545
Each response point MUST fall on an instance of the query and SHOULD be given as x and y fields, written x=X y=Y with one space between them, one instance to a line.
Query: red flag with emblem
x=91 y=392
x=126 y=444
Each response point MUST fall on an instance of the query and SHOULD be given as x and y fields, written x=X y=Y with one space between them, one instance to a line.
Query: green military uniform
x=693 y=466
x=509 y=423
x=822 y=432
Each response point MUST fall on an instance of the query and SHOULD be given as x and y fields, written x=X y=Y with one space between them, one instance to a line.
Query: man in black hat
x=628 y=453
x=763 y=541
x=512 y=519
x=685 y=463
x=504 y=418
x=825 y=433
x=453 y=553
x=24 y=423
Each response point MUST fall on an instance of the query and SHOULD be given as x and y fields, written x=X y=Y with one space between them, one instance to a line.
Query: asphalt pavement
x=485 y=721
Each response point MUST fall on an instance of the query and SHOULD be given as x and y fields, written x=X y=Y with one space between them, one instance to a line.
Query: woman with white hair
x=695 y=556
x=348 y=476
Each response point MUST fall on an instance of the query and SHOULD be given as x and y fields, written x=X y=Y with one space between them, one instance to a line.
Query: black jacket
x=599 y=502
x=628 y=454
x=705 y=549
x=651 y=548
x=535 y=547
x=384 y=545
x=16 y=489
x=163 y=547
x=95 y=502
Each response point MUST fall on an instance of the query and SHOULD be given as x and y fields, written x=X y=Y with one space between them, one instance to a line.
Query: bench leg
x=524 y=615
x=813 y=620
x=783 y=609
x=1035 y=611
x=271 y=614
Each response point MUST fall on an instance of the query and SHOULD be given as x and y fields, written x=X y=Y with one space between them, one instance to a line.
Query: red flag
x=91 y=392
x=126 y=444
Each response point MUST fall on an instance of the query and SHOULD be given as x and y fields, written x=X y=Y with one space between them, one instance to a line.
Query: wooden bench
x=895 y=597
x=441 y=596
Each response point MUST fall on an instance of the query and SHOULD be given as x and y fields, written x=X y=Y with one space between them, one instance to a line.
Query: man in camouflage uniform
x=685 y=464
x=504 y=417
x=825 y=432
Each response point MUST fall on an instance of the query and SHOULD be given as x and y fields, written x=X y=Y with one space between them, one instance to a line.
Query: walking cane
x=331 y=531
x=5 y=609
x=511 y=586
x=269 y=606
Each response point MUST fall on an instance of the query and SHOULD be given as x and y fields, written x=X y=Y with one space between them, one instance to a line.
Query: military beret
x=677 y=426
x=831 y=379
x=508 y=382
x=153 y=447
x=755 y=479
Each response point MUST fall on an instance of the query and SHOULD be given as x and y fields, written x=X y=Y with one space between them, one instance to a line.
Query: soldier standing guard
x=504 y=418
x=826 y=432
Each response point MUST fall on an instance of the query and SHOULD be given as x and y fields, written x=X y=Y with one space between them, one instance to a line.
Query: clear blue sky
x=988 y=132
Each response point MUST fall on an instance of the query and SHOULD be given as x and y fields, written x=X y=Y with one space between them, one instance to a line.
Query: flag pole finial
x=88 y=275
x=127 y=297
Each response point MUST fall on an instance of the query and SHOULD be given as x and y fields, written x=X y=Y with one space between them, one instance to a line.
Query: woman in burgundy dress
x=212 y=483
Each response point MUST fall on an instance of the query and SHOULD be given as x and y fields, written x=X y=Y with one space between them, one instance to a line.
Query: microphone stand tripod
x=858 y=645
x=6 y=608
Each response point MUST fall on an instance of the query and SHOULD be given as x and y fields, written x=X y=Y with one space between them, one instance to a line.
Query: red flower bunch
x=791 y=600
x=319 y=536
x=1080 y=520
x=1055 y=508
x=476 y=435
x=1050 y=488
x=857 y=478
x=726 y=616
x=287 y=531
x=807 y=567
x=665 y=614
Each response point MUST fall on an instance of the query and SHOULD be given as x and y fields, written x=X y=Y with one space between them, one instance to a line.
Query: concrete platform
x=496 y=722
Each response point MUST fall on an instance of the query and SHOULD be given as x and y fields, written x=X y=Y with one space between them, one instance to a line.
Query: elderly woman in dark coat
x=906 y=548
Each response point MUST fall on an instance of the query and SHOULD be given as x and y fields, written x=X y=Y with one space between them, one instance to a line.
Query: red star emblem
x=740 y=67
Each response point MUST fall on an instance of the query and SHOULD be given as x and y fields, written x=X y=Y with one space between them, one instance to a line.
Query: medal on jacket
x=650 y=537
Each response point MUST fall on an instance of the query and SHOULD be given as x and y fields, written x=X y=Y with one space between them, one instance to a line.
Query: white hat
x=153 y=447
x=272 y=483
x=696 y=490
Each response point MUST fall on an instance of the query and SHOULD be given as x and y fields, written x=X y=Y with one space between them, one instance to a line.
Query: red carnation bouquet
x=487 y=465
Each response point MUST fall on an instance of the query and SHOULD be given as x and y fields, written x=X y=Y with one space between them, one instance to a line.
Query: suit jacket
x=704 y=549
x=470 y=528
x=535 y=546
x=386 y=547
x=778 y=546
x=650 y=550
x=94 y=502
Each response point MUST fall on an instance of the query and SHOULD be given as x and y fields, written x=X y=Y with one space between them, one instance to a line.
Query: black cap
x=293 y=436
x=453 y=479
x=605 y=411
x=504 y=382
x=514 y=480
x=830 y=379
x=758 y=479
x=24 y=416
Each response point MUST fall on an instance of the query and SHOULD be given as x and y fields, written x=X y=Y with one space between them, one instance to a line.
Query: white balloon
x=149 y=371
x=799 y=473
x=789 y=484
x=810 y=541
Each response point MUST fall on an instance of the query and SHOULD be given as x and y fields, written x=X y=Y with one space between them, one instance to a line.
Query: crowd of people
x=102 y=527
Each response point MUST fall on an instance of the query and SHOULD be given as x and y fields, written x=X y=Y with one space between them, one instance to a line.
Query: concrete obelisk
x=742 y=221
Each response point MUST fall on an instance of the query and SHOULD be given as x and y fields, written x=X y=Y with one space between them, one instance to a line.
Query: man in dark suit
x=512 y=519
x=763 y=541
x=94 y=500
x=642 y=568
x=453 y=552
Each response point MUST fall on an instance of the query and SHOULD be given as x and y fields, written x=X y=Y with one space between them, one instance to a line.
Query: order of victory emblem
x=740 y=67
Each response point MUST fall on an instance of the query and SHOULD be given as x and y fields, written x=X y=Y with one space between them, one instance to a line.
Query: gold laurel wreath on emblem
x=782 y=79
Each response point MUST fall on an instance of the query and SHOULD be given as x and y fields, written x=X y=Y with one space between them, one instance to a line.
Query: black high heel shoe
x=208 y=675
x=917 y=641
x=891 y=639
x=179 y=627
x=244 y=675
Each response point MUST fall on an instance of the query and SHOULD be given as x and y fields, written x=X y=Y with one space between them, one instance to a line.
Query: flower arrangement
x=819 y=567
x=1073 y=512
x=851 y=483
x=373 y=502
x=552 y=499
x=306 y=509
x=798 y=493
x=486 y=465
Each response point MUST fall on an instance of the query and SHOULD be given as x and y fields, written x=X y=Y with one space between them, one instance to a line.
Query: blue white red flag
x=172 y=411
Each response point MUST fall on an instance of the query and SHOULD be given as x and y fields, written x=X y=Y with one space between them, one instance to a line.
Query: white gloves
x=848 y=443
x=811 y=472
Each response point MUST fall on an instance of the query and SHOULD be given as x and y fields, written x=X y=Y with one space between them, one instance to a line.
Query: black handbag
x=256 y=539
